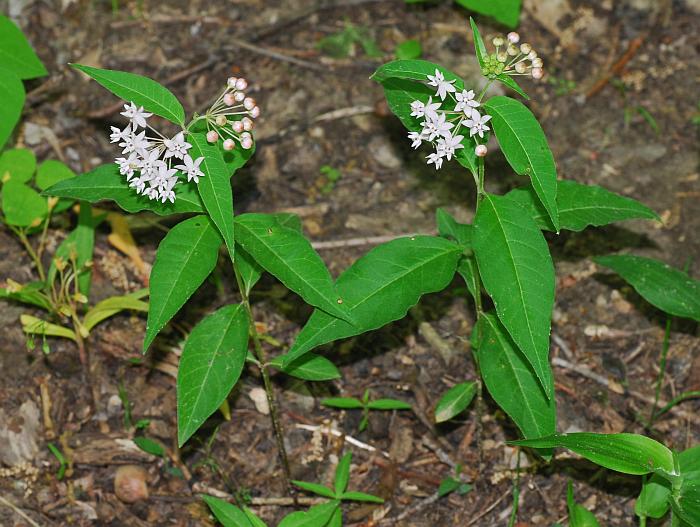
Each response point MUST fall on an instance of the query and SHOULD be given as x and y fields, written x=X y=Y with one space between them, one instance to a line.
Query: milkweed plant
x=170 y=165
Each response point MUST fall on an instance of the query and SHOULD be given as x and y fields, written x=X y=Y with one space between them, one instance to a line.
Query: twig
x=413 y=509
x=488 y=509
x=257 y=502
x=18 y=511
x=337 y=433
x=632 y=48
x=561 y=343
x=236 y=42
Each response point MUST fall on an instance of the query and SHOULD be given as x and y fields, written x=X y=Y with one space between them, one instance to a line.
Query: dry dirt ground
x=650 y=50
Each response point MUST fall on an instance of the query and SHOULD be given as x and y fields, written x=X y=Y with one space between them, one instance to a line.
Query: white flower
x=466 y=102
x=448 y=144
x=417 y=138
x=139 y=184
x=428 y=110
x=127 y=165
x=436 y=159
x=191 y=168
x=177 y=146
x=149 y=164
x=438 y=126
x=135 y=143
x=477 y=124
x=166 y=192
x=137 y=116
x=152 y=193
x=120 y=135
x=443 y=86
x=164 y=174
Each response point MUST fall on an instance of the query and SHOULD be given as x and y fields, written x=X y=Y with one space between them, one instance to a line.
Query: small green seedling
x=352 y=403
x=333 y=175
x=342 y=44
x=579 y=516
x=454 y=483
x=63 y=463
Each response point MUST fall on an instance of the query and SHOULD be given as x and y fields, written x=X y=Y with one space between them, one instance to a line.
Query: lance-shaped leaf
x=479 y=47
x=140 y=90
x=582 y=205
x=628 y=453
x=38 y=326
x=113 y=305
x=210 y=365
x=511 y=381
x=29 y=294
x=517 y=271
x=12 y=96
x=454 y=401
x=185 y=257
x=215 y=187
x=671 y=290
x=231 y=516
x=310 y=367
x=106 y=183
x=381 y=286
x=525 y=146
x=16 y=54
x=287 y=255
x=316 y=516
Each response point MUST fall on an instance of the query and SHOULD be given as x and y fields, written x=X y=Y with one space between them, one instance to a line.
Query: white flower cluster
x=149 y=162
x=455 y=112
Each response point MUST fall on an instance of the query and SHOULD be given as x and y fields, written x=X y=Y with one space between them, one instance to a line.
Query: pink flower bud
x=237 y=126
x=481 y=150
x=255 y=112
x=220 y=120
x=241 y=84
x=247 y=124
x=247 y=143
x=513 y=37
x=239 y=96
x=249 y=103
x=537 y=63
x=231 y=82
x=229 y=145
x=245 y=136
x=537 y=73
x=212 y=136
x=229 y=99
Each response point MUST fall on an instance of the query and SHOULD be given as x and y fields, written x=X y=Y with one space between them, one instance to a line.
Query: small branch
x=413 y=509
x=236 y=42
x=18 y=511
x=337 y=433
x=488 y=509
x=632 y=48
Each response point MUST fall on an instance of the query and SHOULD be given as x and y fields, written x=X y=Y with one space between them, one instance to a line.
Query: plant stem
x=516 y=494
x=269 y=388
x=662 y=369
x=30 y=251
x=44 y=230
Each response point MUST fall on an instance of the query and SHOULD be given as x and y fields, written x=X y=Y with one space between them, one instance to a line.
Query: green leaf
x=511 y=380
x=17 y=165
x=388 y=404
x=248 y=269
x=228 y=515
x=215 y=187
x=669 y=289
x=38 y=326
x=687 y=504
x=79 y=243
x=579 y=516
x=627 y=453
x=653 y=501
x=16 y=54
x=105 y=183
x=28 y=296
x=517 y=271
x=113 y=305
x=310 y=367
x=451 y=229
x=447 y=485
x=22 y=205
x=140 y=90
x=454 y=401
x=408 y=49
x=210 y=365
x=507 y=12
x=253 y=519
x=12 y=96
x=51 y=172
x=415 y=70
x=315 y=488
x=360 y=496
x=150 y=446
x=525 y=146
x=287 y=255
x=342 y=473
x=469 y=272
x=336 y=519
x=316 y=516
x=342 y=402
x=582 y=205
x=185 y=257
x=508 y=81
x=479 y=47
x=689 y=460
x=381 y=287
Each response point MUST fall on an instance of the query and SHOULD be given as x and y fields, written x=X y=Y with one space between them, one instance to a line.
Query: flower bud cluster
x=512 y=58
x=231 y=118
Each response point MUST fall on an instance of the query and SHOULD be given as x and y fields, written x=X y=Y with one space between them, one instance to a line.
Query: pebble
x=130 y=483
x=383 y=153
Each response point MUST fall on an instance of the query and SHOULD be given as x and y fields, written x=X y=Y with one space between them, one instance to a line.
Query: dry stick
x=267 y=383
x=489 y=508
x=238 y=43
x=259 y=501
x=18 y=511
x=413 y=509
x=632 y=48
x=337 y=433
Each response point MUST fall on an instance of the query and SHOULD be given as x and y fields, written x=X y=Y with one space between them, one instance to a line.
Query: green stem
x=30 y=251
x=44 y=230
x=260 y=355
x=662 y=369
x=516 y=494
x=483 y=92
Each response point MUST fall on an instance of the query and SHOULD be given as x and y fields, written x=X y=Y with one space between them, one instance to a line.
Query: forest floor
x=635 y=135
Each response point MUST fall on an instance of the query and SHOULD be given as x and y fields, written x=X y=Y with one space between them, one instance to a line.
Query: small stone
x=130 y=483
x=383 y=152
x=259 y=398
